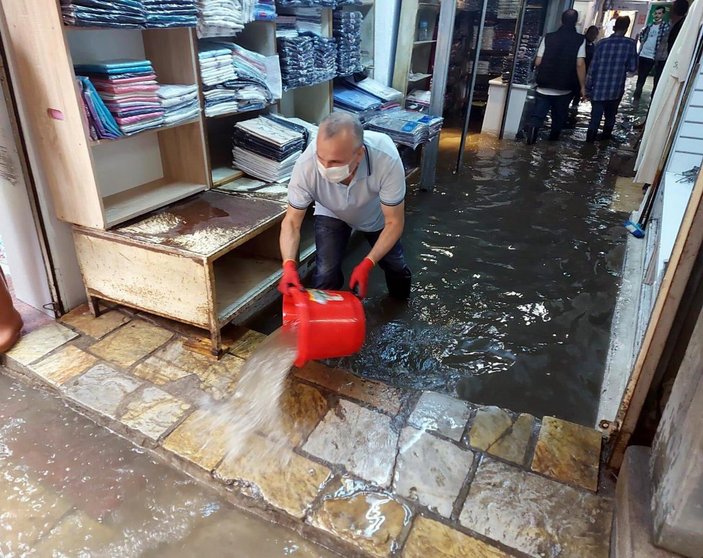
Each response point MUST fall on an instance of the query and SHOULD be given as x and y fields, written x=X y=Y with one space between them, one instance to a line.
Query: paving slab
x=431 y=539
x=535 y=515
x=301 y=409
x=175 y=361
x=282 y=478
x=441 y=413
x=63 y=365
x=370 y=521
x=377 y=394
x=568 y=452
x=83 y=320
x=430 y=471
x=357 y=438
x=197 y=441
x=102 y=388
x=130 y=343
x=495 y=431
x=245 y=345
x=153 y=412
x=40 y=342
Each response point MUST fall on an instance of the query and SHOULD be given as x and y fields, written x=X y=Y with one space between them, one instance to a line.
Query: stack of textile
x=504 y=35
x=286 y=26
x=297 y=61
x=180 y=103
x=223 y=18
x=129 y=90
x=347 y=31
x=386 y=94
x=216 y=69
x=407 y=127
x=101 y=123
x=527 y=49
x=306 y=3
x=309 y=20
x=268 y=146
x=253 y=85
x=508 y=9
x=418 y=99
x=170 y=13
x=104 y=13
x=354 y=100
x=325 y=65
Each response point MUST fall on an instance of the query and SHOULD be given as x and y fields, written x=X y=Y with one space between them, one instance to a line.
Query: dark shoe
x=590 y=137
x=606 y=135
x=531 y=133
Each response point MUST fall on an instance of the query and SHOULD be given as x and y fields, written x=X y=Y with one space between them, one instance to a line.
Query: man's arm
x=540 y=53
x=391 y=233
x=290 y=233
x=581 y=72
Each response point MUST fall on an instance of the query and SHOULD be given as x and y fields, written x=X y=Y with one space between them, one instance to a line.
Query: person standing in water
x=605 y=83
x=650 y=39
x=357 y=182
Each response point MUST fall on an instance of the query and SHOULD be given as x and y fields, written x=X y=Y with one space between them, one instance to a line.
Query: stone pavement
x=370 y=470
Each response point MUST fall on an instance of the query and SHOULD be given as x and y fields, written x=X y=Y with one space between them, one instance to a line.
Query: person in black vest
x=561 y=69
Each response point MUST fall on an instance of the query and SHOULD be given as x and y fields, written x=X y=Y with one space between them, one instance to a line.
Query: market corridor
x=516 y=265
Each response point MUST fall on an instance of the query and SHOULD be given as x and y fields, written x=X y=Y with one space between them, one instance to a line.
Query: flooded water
x=255 y=404
x=71 y=488
x=516 y=263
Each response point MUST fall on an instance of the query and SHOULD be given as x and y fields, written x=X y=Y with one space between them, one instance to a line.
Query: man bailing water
x=357 y=181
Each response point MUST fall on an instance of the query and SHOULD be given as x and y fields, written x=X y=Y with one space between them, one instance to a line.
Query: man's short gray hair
x=336 y=122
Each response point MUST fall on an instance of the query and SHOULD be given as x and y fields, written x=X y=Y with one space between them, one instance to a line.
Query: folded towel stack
x=268 y=146
x=129 y=91
x=180 y=103
x=101 y=123
x=223 y=18
x=104 y=13
x=170 y=13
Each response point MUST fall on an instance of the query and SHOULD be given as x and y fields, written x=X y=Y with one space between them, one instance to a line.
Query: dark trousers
x=644 y=67
x=558 y=105
x=331 y=239
x=600 y=108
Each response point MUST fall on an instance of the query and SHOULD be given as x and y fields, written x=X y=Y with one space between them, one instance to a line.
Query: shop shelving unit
x=109 y=188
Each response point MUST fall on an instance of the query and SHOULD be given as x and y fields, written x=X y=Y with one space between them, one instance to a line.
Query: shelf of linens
x=144 y=133
x=238 y=112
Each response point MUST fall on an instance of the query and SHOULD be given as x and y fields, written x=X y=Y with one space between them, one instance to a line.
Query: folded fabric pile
x=307 y=3
x=347 y=31
x=418 y=100
x=130 y=92
x=297 y=57
x=180 y=103
x=223 y=18
x=407 y=127
x=355 y=101
x=504 y=35
x=508 y=9
x=104 y=13
x=170 y=13
x=377 y=89
x=286 y=26
x=101 y=123
x=268 y=146
x=527 y=49
x=325 y=65
x=309 y=20
x=234 y=79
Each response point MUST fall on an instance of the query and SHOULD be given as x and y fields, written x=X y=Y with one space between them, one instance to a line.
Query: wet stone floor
x=368 y=469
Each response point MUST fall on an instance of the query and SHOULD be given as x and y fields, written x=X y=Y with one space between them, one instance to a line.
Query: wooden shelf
x=131 y=203
x=93 y=143
x=224 y=175
x=240 y=278
x=419 y=43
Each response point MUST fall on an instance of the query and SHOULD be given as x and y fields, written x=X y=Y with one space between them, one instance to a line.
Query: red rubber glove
x=359 y=280
x=290 y=279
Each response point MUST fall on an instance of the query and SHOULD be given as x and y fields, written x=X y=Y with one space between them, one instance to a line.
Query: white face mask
x=334 y=174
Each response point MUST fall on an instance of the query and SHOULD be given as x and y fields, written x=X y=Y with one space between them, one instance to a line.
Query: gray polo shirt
x=380 y=179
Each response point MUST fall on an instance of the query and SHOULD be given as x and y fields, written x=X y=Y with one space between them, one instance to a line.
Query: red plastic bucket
x=329 y=324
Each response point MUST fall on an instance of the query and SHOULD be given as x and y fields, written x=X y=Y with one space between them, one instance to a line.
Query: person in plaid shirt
x=605 y=82
x=650 y=38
